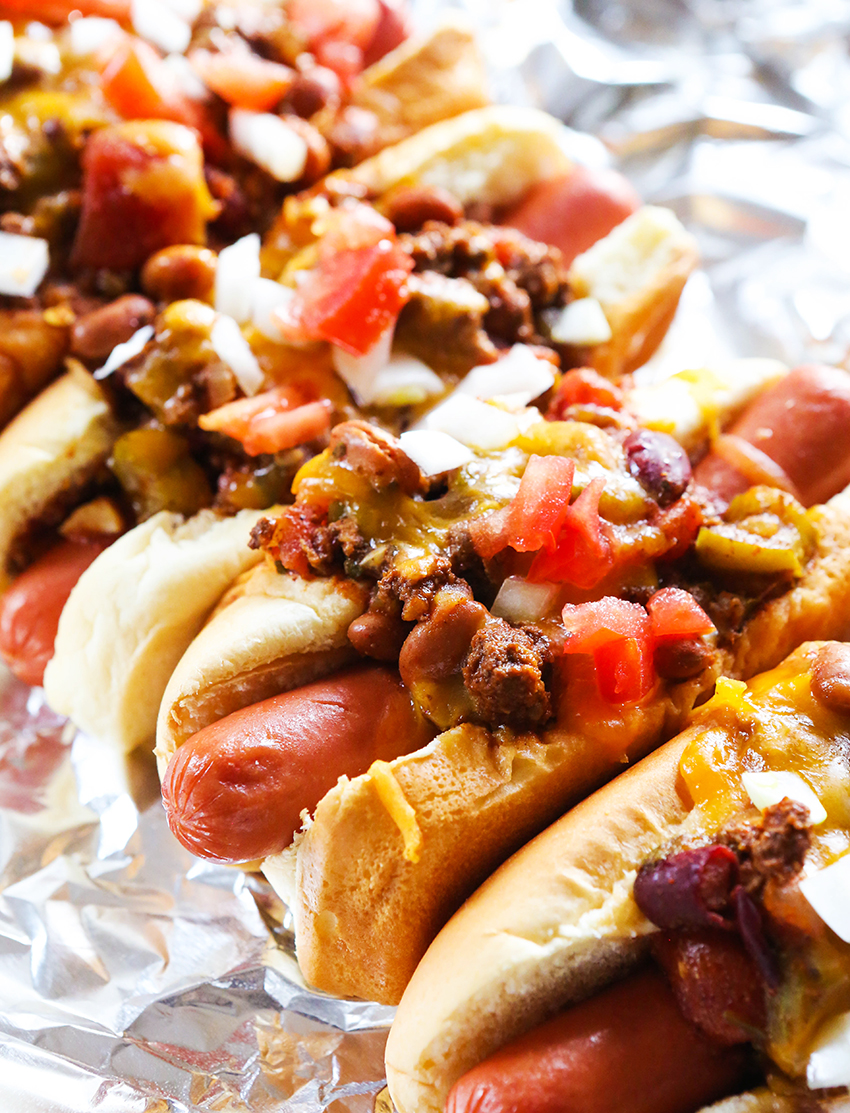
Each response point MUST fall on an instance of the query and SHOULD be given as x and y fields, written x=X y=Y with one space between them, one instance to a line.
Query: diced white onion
x=7 y=49
x=23 y=263
x=160 y=24
x=232 y=348
x=767 y=788
x=828 y=892
x=520 y=601
x=269 y=142
x=360 y=372
x=187 y=77
x=528 y=416
x=582 y=322
x=188 y=9
x=405 y=381
x=829 y=1062
x=90 y=33
x=519 y=375
x=267 y=296
x=434 y=452
x=472 y=422
x=123 y=353
x=237 y=270
x=38 y=32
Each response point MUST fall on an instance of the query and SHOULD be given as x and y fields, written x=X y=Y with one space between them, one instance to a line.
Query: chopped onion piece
x=519 y=375
x=267 y=296
x=520 y=601
x=160 y=24
x=767 y=788
x=434 y=452
x=472 y=422
x=23 y=263
x=360 y=372
x=123 y=353
x=187 y=77
x=269 y=142
x=582 y=322
x=91 y=33
x=828 y=892
x=237 y=270
x=829 y=1062
x=232 y=348
x=188 y=9
x=405 y=381
x=7 y=49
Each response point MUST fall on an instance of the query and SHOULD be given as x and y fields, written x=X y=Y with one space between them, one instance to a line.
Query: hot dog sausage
x=30 y=609
x=626 y=1050
x=235 y=790
x=800 y=424
x=572 y=212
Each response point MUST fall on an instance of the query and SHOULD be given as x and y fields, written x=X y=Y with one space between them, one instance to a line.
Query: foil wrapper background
x=135 y=978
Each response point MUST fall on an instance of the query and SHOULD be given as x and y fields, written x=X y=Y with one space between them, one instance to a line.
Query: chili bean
x=180 y=272
x=681 y=659
x=438 y=645
x=312 y=91
x=831 y=676
x=318 y=151
x=659 y=463
x=95 y=334
x=378 y=635
x=409 y=207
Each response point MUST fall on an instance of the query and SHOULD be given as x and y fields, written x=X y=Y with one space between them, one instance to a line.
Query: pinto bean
x=180 y=272
x=831 y=676
x=312 y=91
x=659 y=463
x=410 y=206
x=682 y=658
x=378 y=635
x=318 y=150
x=438 y=645
x=95 y=334
x=376 y=455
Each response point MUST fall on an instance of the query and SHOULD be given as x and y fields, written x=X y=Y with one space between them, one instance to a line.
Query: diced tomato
x=583 y=555
x=674 y=614
x=347 y=21
x=294 y=531
x=351 y=298
x=270 y=422
x=541 y=504
x=243 y=79
x=680 y=523
x=352 y=225
x=57 y=11
x=345 y=59
x=582 y=387
x=140 y=87
x=143 y=189
x=490 y=533
x=393 y=28
x=618 y=635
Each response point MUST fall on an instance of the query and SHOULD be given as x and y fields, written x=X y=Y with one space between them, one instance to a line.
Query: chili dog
x=681 y=859
x=167 y=465
x=518 y=741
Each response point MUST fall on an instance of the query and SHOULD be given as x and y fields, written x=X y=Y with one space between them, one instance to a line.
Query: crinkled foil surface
x=133 y=977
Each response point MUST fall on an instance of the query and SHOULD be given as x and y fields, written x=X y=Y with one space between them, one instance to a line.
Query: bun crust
x=269 y=633
x=48 y=451
x=132 y=615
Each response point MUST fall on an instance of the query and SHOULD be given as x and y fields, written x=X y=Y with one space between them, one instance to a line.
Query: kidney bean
x=318 y=151
x=831 y=676
x=409 y=207
x=180 y=272
x=681 y=659
x=659 y=463
x=95 y=334
x=313 y=90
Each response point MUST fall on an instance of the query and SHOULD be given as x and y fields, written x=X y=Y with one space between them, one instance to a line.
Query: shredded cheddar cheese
x=401 y=813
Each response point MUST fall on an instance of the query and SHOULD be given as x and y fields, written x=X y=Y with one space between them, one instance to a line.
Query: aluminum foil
x=132 y=976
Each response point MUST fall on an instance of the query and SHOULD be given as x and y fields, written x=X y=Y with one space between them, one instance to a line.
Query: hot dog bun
x=349 y=878
x=47 y=453
x=134 y=612
x=552 y=926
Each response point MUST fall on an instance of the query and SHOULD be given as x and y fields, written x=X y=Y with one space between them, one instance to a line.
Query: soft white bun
x=492 y=155
x=424 y=80
x=48 y=452
x=132 y=615
x=552 y=926
x=271 y=632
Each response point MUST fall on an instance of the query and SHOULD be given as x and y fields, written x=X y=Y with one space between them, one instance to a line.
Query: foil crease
x=135 y=978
